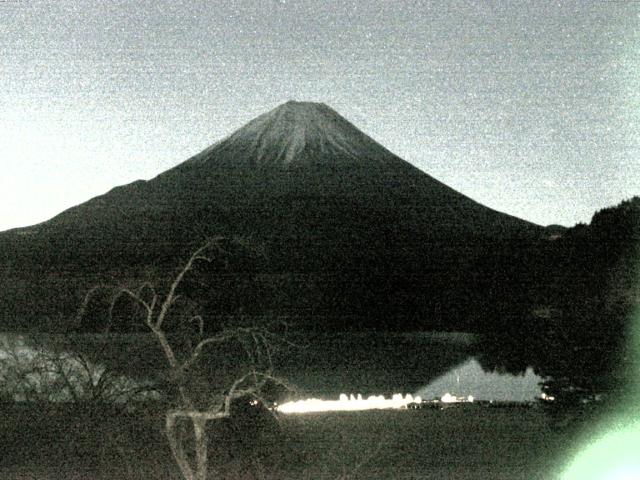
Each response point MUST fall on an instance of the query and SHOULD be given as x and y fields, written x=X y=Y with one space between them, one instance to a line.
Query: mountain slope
x=348 y=229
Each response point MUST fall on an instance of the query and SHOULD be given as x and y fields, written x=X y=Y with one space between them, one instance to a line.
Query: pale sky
x=529 y=107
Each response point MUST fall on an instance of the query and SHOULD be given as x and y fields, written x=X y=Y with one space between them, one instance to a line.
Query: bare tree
x=20 y=375
x=35 y=370
x=257 y=345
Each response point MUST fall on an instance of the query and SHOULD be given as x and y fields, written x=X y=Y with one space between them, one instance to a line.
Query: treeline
x=580 y=320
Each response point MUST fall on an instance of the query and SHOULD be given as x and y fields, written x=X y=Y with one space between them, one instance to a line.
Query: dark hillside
x=585 y=307
x=348 y=232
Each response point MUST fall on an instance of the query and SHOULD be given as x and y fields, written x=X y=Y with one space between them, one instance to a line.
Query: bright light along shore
x=348 y=403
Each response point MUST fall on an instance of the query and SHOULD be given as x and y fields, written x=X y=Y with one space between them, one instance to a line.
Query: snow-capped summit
x=297 y=132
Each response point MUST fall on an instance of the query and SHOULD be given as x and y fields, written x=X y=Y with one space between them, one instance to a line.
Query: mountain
x=349 y=235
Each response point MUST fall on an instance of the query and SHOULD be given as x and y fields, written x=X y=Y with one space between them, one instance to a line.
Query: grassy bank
x=458 y=443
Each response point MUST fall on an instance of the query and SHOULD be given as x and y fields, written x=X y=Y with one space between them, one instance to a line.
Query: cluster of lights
x=353 y=403
x=547 y=398
x=448 y=398
x=349 y=403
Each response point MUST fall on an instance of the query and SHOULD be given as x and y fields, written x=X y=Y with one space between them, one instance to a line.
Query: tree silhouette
x=184 y=344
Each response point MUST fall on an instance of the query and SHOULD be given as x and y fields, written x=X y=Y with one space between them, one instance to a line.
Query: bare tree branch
x=171 y=296
x=85 y=301
x=256 y=343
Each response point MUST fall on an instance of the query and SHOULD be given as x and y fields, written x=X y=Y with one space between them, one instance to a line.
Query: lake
x=321 y=365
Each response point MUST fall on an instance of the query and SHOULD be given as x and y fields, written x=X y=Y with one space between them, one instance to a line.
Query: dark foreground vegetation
x=58 y=442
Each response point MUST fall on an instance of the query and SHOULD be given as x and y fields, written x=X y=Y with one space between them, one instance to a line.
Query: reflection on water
x=325 y=365
x=32 y=369
x=469 y=378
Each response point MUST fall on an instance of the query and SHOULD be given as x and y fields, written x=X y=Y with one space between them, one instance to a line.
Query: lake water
x=425 y=364
x=325 y=365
